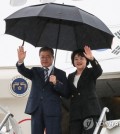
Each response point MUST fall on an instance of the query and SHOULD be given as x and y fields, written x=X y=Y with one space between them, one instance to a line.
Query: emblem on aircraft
x=19 y=86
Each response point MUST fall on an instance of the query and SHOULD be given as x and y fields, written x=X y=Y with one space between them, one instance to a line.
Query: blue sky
x=107 y=10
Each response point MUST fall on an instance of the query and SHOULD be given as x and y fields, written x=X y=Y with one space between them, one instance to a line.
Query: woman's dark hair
x=80 y=52
x=47 y=49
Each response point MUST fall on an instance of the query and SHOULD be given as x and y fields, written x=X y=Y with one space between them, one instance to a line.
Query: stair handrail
x=101 y=120
x=5 y=120
x=9 y=118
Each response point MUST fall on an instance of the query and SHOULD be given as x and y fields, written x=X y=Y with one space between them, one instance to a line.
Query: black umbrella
x=59 y=26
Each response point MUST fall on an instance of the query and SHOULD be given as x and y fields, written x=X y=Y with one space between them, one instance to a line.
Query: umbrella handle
x=23 y=43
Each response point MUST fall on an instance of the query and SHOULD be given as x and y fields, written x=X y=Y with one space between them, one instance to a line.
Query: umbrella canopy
x=59 y=26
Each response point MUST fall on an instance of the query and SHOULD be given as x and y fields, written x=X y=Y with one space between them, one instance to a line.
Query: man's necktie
x=46 y=73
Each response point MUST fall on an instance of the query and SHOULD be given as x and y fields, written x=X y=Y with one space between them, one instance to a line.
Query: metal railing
x=9 y=123
x=101 y=120
x=5 y=120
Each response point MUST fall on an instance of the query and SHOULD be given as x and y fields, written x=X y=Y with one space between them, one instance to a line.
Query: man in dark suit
x=84 y=107
x=48 y=84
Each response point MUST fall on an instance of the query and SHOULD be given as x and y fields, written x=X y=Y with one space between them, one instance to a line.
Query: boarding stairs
x=8 y=125
x=107 y=127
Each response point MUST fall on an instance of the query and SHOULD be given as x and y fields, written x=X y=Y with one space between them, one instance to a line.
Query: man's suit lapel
x=41 y=75
x=53 y=72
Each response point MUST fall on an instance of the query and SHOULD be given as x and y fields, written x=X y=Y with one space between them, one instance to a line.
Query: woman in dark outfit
x=84 y=106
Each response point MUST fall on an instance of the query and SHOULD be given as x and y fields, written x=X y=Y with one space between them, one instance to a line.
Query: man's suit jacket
x=44 y=94
x=84 y=100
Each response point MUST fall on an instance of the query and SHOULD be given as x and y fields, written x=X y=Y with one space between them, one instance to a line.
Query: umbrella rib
x=76 y=38
x=42 y=31
x=57 y=41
